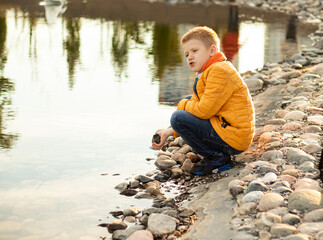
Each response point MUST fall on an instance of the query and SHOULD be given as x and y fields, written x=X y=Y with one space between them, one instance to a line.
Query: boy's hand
x=164 y=134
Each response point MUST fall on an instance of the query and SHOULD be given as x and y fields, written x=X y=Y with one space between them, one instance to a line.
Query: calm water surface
x=81 y=95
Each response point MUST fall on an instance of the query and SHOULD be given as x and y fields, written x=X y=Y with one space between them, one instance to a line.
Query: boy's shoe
x=206 y=166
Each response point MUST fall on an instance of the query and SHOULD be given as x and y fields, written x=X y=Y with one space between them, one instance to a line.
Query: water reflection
x=230 y=40
x=6 y=88
x=72 y=44
x=165 y=49
x=290 y=44
x=53 y=9
x=125 y=34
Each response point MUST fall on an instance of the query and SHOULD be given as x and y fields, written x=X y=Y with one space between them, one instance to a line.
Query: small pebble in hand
x=156 y=139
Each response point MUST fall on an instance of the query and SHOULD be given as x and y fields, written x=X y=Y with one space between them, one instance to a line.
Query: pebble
x=297 y=237
x=282 y=230
x=305 y=200
x=253 y=196
x=311 y=228
x=160 y=224
x=298 y=156
x=257 y=185
x=142 y=235
x=314 y=216
x=306 y=183
x=295 y=115
x=291 y=219
x=270 y=201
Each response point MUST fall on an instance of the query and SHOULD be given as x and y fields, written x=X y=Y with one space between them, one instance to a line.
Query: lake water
x=83 y=89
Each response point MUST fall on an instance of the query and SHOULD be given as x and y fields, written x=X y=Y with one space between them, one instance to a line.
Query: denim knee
x=176 y=118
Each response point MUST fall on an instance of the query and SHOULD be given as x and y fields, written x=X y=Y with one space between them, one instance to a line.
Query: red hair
x=205 y=34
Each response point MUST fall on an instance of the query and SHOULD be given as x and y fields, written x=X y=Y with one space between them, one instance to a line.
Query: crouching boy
x=218 y=120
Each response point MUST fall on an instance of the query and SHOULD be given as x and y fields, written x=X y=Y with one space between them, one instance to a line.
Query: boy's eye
x=186 y=55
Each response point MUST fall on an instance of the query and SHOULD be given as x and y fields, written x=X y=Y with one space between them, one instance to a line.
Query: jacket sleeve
x=217 y=92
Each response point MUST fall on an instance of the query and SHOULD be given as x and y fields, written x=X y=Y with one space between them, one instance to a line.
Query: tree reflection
x=123 y=34
x=72 y=45
x=165 y=48
x=6 y=86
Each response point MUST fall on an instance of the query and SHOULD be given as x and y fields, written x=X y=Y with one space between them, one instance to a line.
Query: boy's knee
x=176 y=118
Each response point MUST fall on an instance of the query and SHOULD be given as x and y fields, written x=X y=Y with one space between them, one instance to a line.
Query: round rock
x=270 y=201
x=282 y=230
x=305 y=200
x=160 y=224
x=314 y=216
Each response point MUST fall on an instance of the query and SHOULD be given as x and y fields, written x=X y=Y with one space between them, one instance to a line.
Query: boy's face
x=197 y=54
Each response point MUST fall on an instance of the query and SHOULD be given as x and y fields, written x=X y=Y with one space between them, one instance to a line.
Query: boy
x=219 y=119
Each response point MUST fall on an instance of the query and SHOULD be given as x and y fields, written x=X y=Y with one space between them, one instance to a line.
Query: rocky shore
x=277 y=188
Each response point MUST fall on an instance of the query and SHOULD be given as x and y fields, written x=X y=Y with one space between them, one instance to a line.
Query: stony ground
x=278 y=192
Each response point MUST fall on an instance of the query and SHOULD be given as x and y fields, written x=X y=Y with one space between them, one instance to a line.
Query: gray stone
x=307 y=166
x=131 y=211
x=165 y=164
x=269 y=177
x=236 y=190
x=171 y=212
x=144 y=179
x=290 y=75
x=314 y=216
x=312 y=129
x=272 y=154
x=129 y=192
x=276 y=121
x=134 y=184
x=282 y=230
x=253 y=196
x=257 y=186
x=297 y=237
x=291 y=219
x=144 y=219
x=311 y=227
x=305 y=200
x=312 y=148
x=160 y=224
x=144 y=195
x=116 y=225
x=295 y=115
x=151 y=210
x=122 y=186
x=254 y=84
x=298 y=156
x=187 y=212
x=124 y=234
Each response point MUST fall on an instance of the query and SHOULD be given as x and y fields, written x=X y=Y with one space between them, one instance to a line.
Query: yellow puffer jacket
x=223 y=97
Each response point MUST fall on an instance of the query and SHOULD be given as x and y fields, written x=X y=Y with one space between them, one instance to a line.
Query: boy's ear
x=214 y=50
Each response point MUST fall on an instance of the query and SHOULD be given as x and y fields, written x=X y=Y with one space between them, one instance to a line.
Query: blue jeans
x=200 y=135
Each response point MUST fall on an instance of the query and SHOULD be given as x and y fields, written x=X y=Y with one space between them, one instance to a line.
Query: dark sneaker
x=207 y=166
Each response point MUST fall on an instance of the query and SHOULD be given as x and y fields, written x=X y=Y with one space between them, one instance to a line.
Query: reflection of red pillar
x=230 y=41
x=230 y=45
